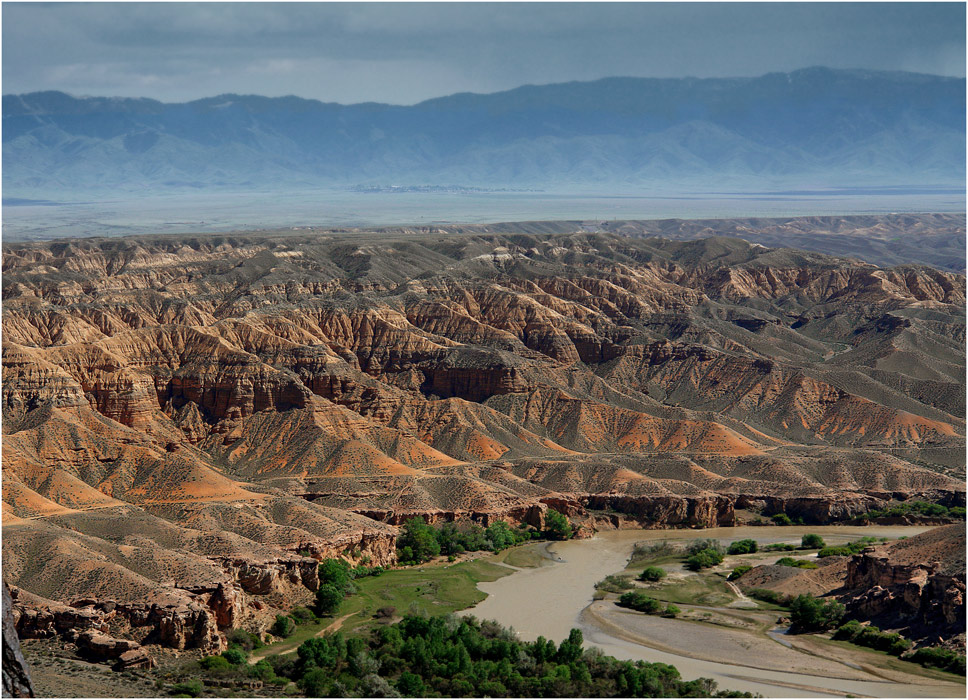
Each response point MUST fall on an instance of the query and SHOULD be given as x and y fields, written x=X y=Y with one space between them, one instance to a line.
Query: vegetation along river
x=738 y=647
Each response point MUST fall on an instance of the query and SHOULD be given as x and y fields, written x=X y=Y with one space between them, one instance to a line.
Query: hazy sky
x=403 y=53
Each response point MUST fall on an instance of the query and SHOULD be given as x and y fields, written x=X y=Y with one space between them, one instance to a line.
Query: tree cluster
x=419 y=542
x=461 y=657
x=810 y=614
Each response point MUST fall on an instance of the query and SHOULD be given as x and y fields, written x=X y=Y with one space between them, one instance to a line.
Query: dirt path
x=285 y=647
x=742 y=600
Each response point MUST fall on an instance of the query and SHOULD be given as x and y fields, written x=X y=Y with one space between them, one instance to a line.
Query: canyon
x=191 y=422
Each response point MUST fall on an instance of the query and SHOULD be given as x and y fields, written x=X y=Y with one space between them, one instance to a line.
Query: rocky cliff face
x=16 y=674
x=192 y=415
x=917 y=584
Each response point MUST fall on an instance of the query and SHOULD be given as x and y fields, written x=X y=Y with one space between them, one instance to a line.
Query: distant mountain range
x=815 y=127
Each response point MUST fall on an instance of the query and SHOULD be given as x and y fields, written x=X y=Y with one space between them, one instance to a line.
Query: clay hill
x=188 y=422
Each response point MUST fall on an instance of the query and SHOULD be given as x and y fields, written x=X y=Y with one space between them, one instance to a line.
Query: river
x=550 y=600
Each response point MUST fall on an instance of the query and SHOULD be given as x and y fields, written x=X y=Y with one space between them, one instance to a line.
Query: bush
x=705 y=559
x=283 y=626
x=192 y=688
x=812 y=542
x=780 y=547
x=315 y=683
x=737 y=572
x=705 y=544
x=242 y=639
x=652 y=573
x=781 y=519
x=767 y=596
x=411 y=685
x=328 y=599
x=303 y=615
x=385 y=613
x=614 y=584
x=834 y=552
x=215 y=663
x=556 y=525
x=797 y=563
x=671 y=610
x=810 y=614
x=639 y=601
x=939 y=657
x=336 y=573
x=234 y=656
x=742 y=547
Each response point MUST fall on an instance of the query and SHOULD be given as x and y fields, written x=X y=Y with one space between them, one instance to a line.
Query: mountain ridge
x=826 y=126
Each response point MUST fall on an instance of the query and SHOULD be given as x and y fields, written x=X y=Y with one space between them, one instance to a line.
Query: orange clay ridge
x=189 y=421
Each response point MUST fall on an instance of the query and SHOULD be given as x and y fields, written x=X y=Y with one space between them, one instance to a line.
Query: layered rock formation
x=189 y=422
x=916 y=585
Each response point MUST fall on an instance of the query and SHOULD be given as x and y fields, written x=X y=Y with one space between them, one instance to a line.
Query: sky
x=403 y=53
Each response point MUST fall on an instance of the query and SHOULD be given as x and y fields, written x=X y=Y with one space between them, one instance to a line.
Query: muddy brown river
x=552 y=599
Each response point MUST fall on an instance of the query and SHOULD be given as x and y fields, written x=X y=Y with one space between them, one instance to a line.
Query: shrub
x=705 y=544
x=614 y=584
x=797 y=563
x=671 y=610
x=303 y=615
x=283 y=627
x=781 y=519
x=639 y=601
x=234 y=656
x=737 y=572
x=767 y=596
x=812 y=542
x=834 y=552
x=192 y=688
x=742 y=547
x=336 y=573
x=705 y=559
x=315 y=683
x=411 y=685
x=242 y=639
x=652 y=573
x=556 y=525
x=328 y=599
x=810 y=614
x=215 y=663
x=385 y=612
x=779 y=547
x=939 y=657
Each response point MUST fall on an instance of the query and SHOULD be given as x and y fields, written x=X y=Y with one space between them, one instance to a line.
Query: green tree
x=812 y=542
x=742 y=547
x=411 y=685
x=556 y=525
x=328 y=599
x=283 y=627
x=500 y=535
x=417 y=542
x=782 y=519
x=315 y=683
x=810 y=614
x=652 y=573
x=705 y=559
x=234 y=656
x=336 y=573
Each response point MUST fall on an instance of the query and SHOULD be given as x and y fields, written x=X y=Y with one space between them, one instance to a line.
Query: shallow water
x=551 y=600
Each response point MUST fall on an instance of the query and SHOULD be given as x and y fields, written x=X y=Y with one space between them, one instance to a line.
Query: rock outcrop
x=16 y=674
x=916 y=584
